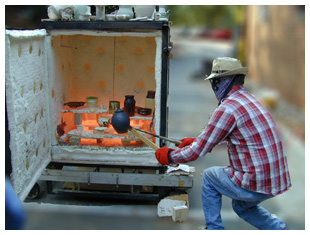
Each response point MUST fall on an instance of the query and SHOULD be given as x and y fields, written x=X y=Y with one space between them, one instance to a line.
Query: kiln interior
x=106 y=67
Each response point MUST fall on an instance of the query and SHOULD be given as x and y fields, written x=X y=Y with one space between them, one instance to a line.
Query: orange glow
x=89 y=124
x=151 y=69
x=122 y=38
x=85 y=136
x=86 y=37
x=87 y=66
x=139 y=50
x=110 y=142
x=100 y=49
x=140 y=84
x=88 y=141
x=101 y=84
x=120 y=67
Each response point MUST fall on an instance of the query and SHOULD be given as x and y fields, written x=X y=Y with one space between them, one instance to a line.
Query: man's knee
x=238 y=207
x=211 y=172
x=211 y=175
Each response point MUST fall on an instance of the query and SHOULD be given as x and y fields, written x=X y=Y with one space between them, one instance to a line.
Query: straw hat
x=224 y=66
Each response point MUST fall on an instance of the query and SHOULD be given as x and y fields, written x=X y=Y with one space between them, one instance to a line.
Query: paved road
x=191 y=103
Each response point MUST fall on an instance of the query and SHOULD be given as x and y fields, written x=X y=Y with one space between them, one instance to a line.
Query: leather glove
x=186 y=141
x=162 y=155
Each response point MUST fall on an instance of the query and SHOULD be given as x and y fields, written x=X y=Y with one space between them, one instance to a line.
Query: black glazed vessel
x=129 y=105
x=120 y=121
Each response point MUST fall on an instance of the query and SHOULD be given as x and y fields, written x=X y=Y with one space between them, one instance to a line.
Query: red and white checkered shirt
x=255 y=152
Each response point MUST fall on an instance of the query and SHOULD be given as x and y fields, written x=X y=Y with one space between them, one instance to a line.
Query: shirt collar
x=233 y=90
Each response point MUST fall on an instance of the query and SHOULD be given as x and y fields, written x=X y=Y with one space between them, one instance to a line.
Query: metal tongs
x=177 y=142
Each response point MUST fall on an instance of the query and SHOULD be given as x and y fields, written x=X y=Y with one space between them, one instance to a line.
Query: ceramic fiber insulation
x=26 y=103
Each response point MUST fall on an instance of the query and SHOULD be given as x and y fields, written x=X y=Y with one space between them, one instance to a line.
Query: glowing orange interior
x=108 y=67
x=89 y=125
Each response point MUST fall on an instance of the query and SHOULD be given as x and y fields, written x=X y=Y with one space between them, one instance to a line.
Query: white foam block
x=179 y=213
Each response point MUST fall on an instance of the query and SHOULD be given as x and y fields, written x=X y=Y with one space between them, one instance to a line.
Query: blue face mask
x=221 y=86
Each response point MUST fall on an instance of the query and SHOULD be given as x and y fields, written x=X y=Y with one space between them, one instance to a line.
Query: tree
x=214 y=16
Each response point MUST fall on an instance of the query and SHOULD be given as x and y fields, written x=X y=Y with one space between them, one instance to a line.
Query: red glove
x=186 y=141
x=162 y=155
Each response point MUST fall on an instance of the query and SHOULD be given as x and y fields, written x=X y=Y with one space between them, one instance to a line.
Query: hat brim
x=242 y=70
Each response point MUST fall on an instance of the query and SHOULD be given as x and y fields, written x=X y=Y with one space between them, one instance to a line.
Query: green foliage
x=214 y=16
x=111 y=8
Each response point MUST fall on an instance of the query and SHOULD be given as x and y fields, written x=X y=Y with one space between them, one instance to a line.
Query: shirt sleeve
x=219 y=127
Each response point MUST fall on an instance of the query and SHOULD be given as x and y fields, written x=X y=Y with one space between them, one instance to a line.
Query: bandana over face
x=221 y=86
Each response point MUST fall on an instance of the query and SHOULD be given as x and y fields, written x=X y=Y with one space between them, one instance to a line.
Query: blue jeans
x=215 y=183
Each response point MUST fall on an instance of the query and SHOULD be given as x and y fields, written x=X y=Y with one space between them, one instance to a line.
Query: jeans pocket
x=250 y=196
x=232 y=190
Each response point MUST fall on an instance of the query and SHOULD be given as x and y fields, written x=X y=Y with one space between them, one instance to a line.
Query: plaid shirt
x=255 y=152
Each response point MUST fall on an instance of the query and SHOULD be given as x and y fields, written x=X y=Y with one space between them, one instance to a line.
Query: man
x=257 y=167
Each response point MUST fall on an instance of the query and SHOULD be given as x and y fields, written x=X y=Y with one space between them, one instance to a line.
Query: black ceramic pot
x=120 y=121
x=129 y=105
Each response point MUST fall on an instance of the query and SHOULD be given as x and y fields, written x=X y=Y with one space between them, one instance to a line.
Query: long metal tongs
x=177 y=142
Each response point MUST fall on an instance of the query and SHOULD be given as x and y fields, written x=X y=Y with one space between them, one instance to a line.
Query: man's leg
x=215 y=183
x=256 y=215
x=212 y=198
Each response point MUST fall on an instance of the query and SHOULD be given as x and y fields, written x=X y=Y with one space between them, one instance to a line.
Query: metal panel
x=105 y=25
x=184 y=181
x=164 y=84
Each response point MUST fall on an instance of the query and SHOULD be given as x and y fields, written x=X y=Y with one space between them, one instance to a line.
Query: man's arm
x=220 y=126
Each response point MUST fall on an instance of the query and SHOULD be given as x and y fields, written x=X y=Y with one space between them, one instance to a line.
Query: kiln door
x=27 y=111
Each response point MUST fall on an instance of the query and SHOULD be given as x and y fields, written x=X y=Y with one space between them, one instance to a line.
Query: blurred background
x=270 y=40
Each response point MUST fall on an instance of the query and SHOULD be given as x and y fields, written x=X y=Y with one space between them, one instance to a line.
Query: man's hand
x=186 y=141
x=162 y=155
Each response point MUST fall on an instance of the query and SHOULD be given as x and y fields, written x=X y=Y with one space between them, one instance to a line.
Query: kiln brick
x=166 y=205
x=78 y=118
x=179 y=213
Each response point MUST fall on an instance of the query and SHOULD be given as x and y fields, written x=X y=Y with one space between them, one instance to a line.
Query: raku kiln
x=56 y=136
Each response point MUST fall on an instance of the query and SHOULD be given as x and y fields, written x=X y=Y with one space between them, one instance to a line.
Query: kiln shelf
x=91 y=135
x=85 y=110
